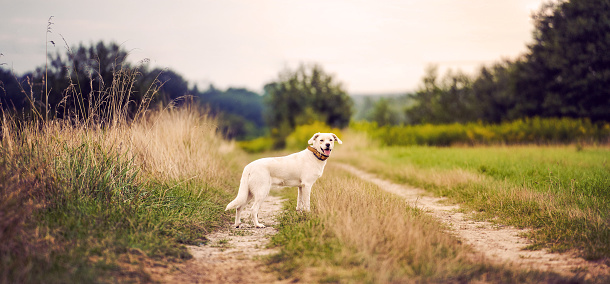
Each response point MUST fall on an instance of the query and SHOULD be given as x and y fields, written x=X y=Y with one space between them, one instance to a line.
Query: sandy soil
x=503 y=244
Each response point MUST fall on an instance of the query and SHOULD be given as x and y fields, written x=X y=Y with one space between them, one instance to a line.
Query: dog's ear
x=337 y=138
x=313 y=138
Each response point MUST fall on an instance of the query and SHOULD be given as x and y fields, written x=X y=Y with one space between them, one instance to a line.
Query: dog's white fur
x=300 y=170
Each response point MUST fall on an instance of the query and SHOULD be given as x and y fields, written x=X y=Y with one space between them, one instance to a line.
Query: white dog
x=300 y=170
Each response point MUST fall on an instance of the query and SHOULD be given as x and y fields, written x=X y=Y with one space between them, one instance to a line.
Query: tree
x=567 y=69
x=240 y=111
x=173 y=86
x=383 y=114
x=442 y=101
x=493 y=94
x=565 y=73
x=302 y=96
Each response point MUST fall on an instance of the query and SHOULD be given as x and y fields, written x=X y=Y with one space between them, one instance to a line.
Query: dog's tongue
x=327 y=152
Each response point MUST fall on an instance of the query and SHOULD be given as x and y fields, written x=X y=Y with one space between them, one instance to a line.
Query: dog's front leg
x=300 y=199
x=306 y=192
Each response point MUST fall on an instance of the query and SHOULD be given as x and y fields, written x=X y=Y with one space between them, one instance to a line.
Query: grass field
x=560 y=191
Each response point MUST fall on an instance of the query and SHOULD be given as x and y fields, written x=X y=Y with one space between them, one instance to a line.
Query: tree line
x=564 y=73
x=87 y=80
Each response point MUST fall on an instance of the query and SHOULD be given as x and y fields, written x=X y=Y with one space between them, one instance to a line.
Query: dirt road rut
x=230 y=255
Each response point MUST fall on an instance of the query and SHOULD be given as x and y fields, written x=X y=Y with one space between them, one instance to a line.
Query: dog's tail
x=242 y=193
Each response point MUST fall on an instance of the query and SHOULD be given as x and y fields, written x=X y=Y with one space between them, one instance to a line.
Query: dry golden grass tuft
x=183 y=144
x=393 y=241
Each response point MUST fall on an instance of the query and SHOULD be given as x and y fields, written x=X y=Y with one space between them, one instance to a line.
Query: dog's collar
x=318 y=155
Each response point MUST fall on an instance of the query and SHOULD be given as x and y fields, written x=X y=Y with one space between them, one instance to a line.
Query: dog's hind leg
x=255 y=208
x=238 y=216
x=258 y=201
x=241 y=209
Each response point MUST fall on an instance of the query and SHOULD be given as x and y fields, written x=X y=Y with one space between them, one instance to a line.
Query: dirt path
x=231 y=254
x=500 y=243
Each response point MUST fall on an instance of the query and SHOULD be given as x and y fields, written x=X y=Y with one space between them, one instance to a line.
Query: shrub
x=257 y=145
x=302 y=133
x=522 y=131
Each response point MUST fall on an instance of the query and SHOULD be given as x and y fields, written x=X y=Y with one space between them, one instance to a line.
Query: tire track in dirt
x=502 y=244
x=230 y=255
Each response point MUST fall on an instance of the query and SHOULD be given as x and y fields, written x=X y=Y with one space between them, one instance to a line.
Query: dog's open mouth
x=326 y=151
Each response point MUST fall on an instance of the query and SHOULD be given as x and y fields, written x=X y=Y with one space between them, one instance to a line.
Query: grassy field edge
x=559 y=191
x=358 y=233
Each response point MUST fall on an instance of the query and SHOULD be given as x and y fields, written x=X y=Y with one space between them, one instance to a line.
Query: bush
x=523 y=131
x=302 y=133
x=257 y=145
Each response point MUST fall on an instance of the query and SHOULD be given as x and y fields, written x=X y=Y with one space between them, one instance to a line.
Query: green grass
x=561 y=191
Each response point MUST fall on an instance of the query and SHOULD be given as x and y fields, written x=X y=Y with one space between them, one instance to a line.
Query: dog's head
x=324 y=142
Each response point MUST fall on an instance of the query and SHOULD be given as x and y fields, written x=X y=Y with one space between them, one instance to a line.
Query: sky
x=371 y=47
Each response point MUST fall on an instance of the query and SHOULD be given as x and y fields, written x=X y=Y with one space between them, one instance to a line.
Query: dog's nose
x=327 y=144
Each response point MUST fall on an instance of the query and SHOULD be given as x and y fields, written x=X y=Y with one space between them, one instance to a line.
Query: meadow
x=358 y=233
x=560 y=191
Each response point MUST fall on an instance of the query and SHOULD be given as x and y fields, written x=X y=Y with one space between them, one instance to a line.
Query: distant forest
x=564 y=73
x=86 y=75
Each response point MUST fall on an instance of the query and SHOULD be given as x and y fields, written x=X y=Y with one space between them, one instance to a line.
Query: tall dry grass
x=74 y=197
x=395 y=242
x=183 y=144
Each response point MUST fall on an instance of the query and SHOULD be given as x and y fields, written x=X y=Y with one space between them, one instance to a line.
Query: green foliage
x=444 y=101
x=383 y=114
x=297 y=140
x=85 y=83
x=566 y=71
x=522 y=131
x=304 y=96
x=240 y=111
x=386 y=109
x=257 y=145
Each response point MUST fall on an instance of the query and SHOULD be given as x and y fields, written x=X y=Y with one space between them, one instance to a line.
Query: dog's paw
x=260 y=226
x=237 y=225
